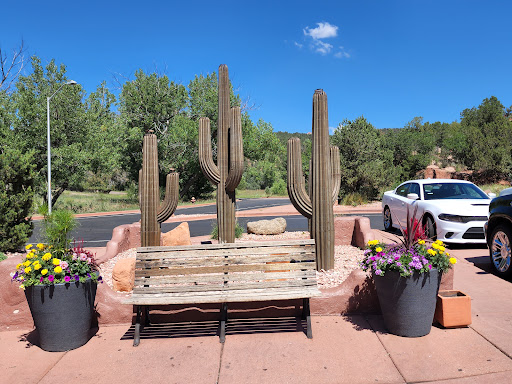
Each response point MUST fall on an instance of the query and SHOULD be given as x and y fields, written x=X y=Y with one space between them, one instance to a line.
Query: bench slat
x=210 y=260
x=223 y=297
x=211 y=278
x=225 y=287
x=213 y=247
x=191 y=253
x=223 y=269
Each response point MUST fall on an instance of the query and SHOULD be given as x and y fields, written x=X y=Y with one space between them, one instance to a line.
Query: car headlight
x=461 y=219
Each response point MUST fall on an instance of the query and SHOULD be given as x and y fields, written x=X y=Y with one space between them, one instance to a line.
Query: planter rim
x=61 y=284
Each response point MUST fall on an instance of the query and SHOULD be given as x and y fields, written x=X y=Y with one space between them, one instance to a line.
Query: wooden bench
x=224 y=273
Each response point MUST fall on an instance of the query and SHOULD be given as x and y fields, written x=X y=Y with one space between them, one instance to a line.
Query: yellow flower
x=55 y=261
x=29 y=255
x=438 y=242
x=22 y=287
x=47 y=256
x=37 y=266
x=378 y=249
x=441 y=248
x=373 y=242
x=421 y=241
x=453 y=260
x=435 y=246
x=44 y=272
x=28 y=246
x=447 y=254
x=432 y=252
x=40 y=246
x=26 y=263
x=19 y=266
x=58 y=269
x=28 y=270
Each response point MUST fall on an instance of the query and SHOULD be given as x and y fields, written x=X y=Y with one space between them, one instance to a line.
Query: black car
x=498 y=231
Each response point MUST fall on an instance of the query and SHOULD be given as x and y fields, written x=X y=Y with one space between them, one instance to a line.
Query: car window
x=448 y=191
x=414 y=188
x=403 y=190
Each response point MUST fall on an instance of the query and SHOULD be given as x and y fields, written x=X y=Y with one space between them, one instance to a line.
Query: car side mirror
x=413 y=196
x=491 y=195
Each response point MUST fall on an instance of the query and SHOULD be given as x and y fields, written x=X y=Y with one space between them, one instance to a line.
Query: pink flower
x=89 y=260
x=51 y=278
x=67 y=279
x=64 y=264
x=83 y=257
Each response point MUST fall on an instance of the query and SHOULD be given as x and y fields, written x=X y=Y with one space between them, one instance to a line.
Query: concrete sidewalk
x=344 y=349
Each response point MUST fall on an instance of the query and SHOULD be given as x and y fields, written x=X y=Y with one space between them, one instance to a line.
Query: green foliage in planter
x=214 y=234
x=2 y=256
x=57 y=227
x=16 y=196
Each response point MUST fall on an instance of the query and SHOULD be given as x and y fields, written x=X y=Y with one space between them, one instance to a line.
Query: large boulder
x=123 y=275
x=267 y=227
x=178 y=236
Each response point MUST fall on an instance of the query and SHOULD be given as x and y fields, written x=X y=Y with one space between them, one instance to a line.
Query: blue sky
x=387 y=60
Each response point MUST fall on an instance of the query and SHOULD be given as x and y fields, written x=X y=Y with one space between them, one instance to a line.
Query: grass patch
x=90 y=202
x=494 y=188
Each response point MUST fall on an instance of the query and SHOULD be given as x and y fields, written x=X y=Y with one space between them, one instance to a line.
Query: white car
x=453 y=211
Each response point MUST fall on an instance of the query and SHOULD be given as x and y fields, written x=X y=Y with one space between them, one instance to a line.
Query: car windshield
x=445 y=191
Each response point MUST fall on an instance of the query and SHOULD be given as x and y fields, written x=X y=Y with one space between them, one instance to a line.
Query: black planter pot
x=408 y=303
x=62 y=314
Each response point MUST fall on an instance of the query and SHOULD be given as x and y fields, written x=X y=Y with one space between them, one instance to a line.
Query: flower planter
x=62 y=314
x=408 y=303
x=453 y=309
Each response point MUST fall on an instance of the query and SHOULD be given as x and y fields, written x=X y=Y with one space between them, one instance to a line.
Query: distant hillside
x=284 y=136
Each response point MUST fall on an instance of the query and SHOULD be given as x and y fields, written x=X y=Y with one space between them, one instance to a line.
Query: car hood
x=466 y=207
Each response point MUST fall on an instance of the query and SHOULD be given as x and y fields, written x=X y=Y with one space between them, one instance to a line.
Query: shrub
x=57 y=227
x=214 y=234
x=16 y=196
x=2 y=256
x=354 y=199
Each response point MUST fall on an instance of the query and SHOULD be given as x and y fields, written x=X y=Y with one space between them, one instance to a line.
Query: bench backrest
x=248 y=267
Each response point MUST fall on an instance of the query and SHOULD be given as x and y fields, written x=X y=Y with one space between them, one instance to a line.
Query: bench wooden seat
x=224 y=273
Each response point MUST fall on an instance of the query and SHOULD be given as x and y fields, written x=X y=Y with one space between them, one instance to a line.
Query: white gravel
x=346 y=259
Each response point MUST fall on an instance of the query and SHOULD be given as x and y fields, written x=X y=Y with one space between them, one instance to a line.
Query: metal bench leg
x=223 y=320
x=147 y=320
x=306 y=315
x=136 y=336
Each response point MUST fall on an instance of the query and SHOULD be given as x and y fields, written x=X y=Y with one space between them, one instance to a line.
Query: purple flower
x=88 y=275
x=398 y=264
x=100 y=279
x=372 y=258
x=429 y=266
x=397 y=258
x=77 y=277
x=378 y=272
x=41 y=279
x=67 y=279
x=15 y=276
x=51 y=278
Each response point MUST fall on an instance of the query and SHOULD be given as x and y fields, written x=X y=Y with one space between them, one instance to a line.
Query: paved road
x=97 y=231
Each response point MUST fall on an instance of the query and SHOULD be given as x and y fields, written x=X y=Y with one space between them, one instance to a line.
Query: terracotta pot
x=453 y=309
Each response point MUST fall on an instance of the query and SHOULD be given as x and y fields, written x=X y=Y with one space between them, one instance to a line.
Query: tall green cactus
x=323 y=182
x=152 y=212
x=230 y=157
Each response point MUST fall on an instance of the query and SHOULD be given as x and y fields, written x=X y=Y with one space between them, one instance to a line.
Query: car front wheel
x=388 y=221
x=430 y=228
x=499 y=249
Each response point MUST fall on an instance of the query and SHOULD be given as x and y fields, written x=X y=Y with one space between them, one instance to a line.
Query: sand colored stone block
x=123 y=275
x=267 y=227
x=178 y=236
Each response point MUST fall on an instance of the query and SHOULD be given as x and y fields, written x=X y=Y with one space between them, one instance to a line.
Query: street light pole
x=70 y=82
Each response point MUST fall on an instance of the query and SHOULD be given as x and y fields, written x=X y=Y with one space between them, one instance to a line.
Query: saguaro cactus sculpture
x=230 y=157
x=324 y=182
x=152 y=212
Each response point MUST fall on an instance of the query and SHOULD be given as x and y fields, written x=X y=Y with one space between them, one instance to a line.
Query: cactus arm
x=140 y=187
x=236 y=152
x=210 y=170
x=335 y=173
x=171 y=197
x=296 y=184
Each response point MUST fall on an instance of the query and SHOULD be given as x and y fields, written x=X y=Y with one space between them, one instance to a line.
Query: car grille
x=474 y=233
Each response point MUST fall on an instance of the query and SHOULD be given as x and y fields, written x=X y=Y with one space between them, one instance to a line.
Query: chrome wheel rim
x=500 y=251
x=387 y=218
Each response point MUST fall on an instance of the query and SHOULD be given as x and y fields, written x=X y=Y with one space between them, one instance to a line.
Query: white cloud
x=321 y=47
x=323 y=31
x=342 y=54
x=297 y=44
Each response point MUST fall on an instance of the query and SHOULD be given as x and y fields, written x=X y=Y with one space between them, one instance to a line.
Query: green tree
x=16 y=196
x=69 y=130
x=362 y=157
